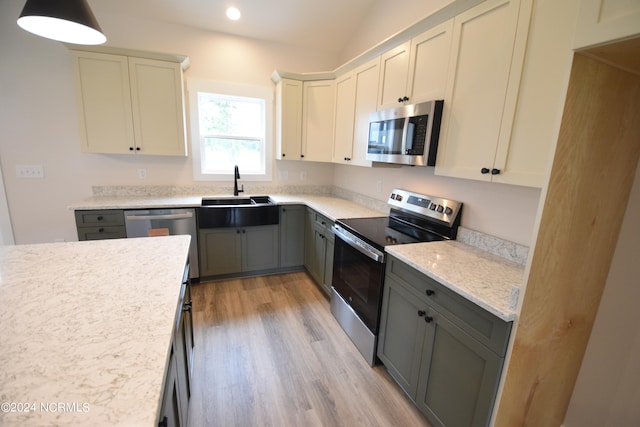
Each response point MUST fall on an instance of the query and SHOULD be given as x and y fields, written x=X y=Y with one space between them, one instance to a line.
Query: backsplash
x=502 y=248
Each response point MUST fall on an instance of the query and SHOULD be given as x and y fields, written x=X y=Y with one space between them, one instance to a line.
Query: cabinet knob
x=421 y=313
x=428 y=319
x=495 y=171
x=399 y=99
x=284 y=155
x=484 y=171
x=100 y=218
x=347 y=159
x=164 y=422
x=430 y=292
x=137 y=148
x=405 y=99
x=100 y=230
x=301 y=156
x=186 y=306
x=130 y=148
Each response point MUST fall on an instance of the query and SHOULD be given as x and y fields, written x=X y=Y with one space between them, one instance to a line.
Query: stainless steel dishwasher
x=165 y=222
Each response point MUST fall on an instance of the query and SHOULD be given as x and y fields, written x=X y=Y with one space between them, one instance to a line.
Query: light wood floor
x=269 y=353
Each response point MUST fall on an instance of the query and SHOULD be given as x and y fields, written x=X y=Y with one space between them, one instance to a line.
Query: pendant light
x=69 y=21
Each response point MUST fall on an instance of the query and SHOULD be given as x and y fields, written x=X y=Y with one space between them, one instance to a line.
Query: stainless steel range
x=359 y=258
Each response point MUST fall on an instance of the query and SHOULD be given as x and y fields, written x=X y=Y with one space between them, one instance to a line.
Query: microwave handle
x=409 y=130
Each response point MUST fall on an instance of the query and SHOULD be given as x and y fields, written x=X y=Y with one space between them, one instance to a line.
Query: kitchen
x=38 y=86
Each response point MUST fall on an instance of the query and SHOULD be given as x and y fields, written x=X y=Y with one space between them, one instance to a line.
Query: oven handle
x=358 y=244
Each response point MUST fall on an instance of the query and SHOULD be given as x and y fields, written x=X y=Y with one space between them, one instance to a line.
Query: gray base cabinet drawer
x=100 y=224
x=477 y=322
x=444 y=351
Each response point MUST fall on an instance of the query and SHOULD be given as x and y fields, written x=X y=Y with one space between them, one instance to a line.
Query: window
x=230 y=125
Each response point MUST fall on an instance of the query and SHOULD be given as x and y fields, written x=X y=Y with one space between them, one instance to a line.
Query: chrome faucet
x=236 y=177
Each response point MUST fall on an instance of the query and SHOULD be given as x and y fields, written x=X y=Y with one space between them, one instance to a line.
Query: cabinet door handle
x=495 y=171
x=428 y=319
x=164 y=422
x=484 y=171
x=399 y=99
x=421 y=313
x=100 y=218
x=405 y=99
x=186 y=306
x=100 y=230
x=430 y=292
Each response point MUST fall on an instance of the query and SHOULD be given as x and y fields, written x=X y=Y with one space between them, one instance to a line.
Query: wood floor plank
x=268 y=352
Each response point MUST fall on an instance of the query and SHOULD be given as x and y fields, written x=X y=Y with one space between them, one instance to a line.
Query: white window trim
x=196 y=85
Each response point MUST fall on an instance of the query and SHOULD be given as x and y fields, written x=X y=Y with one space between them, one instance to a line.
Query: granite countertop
x=86 y=329
x=332 y=207
x=484 y=278
x=488 y=280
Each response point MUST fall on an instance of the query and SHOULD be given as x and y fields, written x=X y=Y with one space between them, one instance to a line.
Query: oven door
x=358 y=274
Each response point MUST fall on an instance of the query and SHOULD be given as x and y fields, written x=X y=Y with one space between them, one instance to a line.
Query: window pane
x=231 y=116
x=220 y=154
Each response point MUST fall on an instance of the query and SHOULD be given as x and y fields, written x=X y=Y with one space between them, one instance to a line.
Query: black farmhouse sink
x=224 y=212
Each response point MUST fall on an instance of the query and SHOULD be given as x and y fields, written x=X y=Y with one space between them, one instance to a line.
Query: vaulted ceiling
x=323 y=25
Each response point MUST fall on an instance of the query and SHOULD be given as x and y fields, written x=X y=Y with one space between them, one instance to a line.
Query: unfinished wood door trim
x=594 y=165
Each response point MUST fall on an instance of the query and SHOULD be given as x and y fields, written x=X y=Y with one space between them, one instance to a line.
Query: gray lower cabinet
x=292 y=219
x=100 y=224
x=319 y=244
x=238 y=250
x=444 y=351
x=174 y=410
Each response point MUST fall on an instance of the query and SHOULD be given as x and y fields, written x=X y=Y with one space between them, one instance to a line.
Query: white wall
x=504 y=211
x=39 y=126
x=607 y=391
x=385 y=19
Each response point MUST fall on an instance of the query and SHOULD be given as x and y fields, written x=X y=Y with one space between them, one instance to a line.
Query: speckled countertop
x=332 y=207
x=483 y=278
x=489 y=280
x=87 y=325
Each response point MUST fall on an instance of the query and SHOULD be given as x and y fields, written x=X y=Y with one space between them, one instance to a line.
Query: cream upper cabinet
x=487 y=57
x=394 y=71
x=129 y=105
x=429 y=62
x=317 y=120
x=344 y=118
x=356 y=99
x=289 y=119
x=416 y=71
x=602 y=21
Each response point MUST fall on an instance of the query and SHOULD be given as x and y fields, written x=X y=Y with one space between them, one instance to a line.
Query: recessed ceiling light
x=233 y=13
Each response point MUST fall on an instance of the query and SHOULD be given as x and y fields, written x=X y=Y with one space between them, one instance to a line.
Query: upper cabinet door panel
x=289 y=119
x=394 y=67
x=317 y=120
x=366 y=82
x=429 y=63
x=344 y=118
x=157 y=97
x=104 y=102
x=479 y=76
x=602 y=21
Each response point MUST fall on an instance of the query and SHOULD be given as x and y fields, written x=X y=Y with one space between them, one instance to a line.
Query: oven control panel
x=435 y=207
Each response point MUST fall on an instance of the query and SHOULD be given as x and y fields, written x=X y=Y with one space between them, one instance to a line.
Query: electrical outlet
x=379 y=186
x=283 y=175
x=30 y=171
x=303 y=175
x=142 y=173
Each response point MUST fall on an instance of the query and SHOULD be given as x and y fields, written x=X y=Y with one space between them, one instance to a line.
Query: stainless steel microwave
x=406 y=135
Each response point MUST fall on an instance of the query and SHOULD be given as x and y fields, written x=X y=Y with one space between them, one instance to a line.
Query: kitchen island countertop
x=86 y=329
